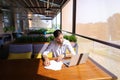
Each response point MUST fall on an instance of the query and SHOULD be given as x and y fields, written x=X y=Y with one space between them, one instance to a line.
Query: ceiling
x=48 y=8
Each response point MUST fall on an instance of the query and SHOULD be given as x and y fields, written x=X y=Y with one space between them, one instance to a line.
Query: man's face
x=59 y=39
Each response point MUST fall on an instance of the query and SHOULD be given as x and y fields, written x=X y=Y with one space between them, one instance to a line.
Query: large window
x=99 y=19
x=67 y=15
x=37 y=21
x=56 y=22
x=7 y=19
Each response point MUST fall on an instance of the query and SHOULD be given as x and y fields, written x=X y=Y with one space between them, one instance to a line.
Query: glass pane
x=98 y=19
x=106 y=56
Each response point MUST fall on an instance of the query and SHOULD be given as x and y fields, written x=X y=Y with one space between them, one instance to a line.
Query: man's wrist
x=62 y=56
x=45 y=57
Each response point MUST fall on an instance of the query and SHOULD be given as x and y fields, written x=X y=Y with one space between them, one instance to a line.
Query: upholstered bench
x=28 y=51
x=20 y=51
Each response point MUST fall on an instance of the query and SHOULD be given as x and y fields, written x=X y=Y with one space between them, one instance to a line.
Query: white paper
x=54 y=65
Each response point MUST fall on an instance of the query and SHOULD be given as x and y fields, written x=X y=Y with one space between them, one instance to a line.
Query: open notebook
x=76 y=59
x=54 y=65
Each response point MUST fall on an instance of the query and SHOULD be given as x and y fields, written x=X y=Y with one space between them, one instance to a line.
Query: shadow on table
x=24 y=69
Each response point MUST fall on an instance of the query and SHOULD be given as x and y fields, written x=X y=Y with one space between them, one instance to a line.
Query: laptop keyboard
x=66 y=62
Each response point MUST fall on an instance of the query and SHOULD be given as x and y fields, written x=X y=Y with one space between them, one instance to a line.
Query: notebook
x=76 y=59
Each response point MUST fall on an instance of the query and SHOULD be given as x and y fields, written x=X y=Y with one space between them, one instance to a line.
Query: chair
x=4 y=38
x=75 y=46
x=1 y=42
x=17 y=35
x=20 y=51
x=7 y=37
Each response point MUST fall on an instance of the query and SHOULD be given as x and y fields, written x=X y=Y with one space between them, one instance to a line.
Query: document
x=54 y=65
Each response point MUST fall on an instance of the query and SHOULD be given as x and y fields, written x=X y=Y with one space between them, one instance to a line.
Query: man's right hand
x=47 y=62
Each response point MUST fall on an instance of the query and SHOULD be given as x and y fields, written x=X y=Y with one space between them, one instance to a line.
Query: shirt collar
x=64 y=42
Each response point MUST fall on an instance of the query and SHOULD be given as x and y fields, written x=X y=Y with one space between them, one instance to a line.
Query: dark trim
x=45 y=7
x=63 y=5
x=51 y=3
x=74 y=17
x=50 y=14
x=61 y=19
x=114 y=77
x=56 y=21
x=46 y=19
x=63 y=2
x=80 y=57
x=99 y=41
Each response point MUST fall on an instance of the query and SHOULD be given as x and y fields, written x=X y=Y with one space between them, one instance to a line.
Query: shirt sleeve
x=48 y=49
x=70 y=48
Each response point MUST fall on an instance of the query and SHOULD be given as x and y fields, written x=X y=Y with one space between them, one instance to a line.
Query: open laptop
x=76 y=59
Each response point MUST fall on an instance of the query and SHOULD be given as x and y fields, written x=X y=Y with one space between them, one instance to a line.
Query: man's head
x=58 y=36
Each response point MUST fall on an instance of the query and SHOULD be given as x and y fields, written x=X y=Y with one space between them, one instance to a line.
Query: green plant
x=12 y=28
x=34 y=32
x=66 y=37
x=5 y=29
x=50 y=31
x=9 y=28
x=71 y=38
x=50 y=38
x=30 y=39
x=40 y=31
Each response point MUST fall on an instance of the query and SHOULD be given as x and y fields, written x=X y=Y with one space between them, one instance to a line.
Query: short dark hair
x=57 y=33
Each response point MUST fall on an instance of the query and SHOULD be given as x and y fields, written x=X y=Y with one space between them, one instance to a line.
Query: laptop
x=76 y=59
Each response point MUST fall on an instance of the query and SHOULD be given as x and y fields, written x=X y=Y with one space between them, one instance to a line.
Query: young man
x=58 y=48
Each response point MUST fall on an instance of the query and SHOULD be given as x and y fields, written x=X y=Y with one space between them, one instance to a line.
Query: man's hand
x=60 y=57
x=47 y=62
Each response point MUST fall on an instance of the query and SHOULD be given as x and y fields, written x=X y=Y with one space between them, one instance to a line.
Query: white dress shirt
x=58 y=50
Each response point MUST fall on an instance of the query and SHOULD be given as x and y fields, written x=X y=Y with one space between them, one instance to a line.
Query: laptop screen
x=76 y=59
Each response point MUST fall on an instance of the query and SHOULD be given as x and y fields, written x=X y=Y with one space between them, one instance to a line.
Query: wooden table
x=33 y=69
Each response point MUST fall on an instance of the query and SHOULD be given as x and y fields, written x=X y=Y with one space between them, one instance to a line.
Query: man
x=58 y=48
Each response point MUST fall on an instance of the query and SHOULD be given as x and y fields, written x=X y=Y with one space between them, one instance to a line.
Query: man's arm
x=46 y=60
x=60 y=57
x=44 y=55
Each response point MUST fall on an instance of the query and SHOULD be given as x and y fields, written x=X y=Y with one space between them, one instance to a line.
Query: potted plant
x=9 y=29
x=71 y=38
